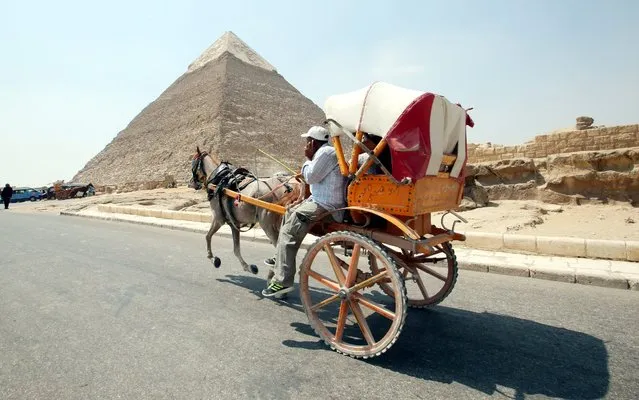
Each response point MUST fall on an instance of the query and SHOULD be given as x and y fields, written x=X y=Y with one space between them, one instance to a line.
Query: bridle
x=197 y=165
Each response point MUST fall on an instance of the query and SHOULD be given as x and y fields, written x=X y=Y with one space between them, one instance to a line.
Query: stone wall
x=606 y=138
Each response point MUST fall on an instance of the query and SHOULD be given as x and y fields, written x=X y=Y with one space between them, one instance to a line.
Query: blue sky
x=73 y=74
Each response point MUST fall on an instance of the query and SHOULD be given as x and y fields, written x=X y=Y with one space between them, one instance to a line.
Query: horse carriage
x=383 y=254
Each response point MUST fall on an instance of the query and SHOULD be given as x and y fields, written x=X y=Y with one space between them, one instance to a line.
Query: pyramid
x=230 y=101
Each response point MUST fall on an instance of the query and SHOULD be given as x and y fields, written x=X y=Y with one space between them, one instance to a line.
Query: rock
x=477 y=194
x=584 y=122
x=552 y=208
x=512 y=171
x=466 y=204
x=169 y=182
x=609 y=160
x=594 y=177
x=548 y=196
x=519 y=191
x=543 y=208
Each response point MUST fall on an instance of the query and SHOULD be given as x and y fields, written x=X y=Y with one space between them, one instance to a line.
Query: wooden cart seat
x=426 y=195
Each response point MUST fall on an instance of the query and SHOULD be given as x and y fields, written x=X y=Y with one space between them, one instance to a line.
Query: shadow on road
x=255 y=285
x=483 y=351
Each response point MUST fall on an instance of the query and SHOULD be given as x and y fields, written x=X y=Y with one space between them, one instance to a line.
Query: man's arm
x=316 y=170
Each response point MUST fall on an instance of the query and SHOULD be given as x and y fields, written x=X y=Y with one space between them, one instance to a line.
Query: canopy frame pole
x=341 y=158
x=372 y=155
x=356 y=152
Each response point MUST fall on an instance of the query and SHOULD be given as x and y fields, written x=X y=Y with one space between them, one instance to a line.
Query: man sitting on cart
x=321 y=172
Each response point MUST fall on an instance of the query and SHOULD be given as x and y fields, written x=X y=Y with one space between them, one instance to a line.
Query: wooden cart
x=363 y=273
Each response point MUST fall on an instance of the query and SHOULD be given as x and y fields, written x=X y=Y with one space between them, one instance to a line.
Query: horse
x=279 y=189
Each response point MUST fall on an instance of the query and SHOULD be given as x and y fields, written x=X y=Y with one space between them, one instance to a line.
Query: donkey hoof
x=253 y=268
x=216 y=262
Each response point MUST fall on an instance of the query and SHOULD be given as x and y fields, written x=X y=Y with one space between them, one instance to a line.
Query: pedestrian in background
x=7 y=193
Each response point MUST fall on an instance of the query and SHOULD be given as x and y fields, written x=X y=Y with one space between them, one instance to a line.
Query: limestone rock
x=584 y=122
x=512 y=171
x=466 y=204
x=579 y=178
x=477 y=194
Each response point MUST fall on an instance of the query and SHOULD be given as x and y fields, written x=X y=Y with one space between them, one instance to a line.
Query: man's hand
x=298 y=176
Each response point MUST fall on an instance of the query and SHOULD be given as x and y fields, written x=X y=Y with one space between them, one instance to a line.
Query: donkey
x=279 y=189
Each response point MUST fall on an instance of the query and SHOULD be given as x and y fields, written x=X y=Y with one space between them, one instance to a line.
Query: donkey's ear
x=198 y=150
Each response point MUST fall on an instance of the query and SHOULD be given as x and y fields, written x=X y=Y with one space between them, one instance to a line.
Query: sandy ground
x=610 y=221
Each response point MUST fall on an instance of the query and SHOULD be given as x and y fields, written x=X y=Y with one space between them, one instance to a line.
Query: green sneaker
x=274 y=289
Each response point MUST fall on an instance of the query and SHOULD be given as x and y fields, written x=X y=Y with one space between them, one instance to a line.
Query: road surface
x=104 y=310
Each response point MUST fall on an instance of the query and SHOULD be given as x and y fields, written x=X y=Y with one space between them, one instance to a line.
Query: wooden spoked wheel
x=428 y=279
x=337 y=291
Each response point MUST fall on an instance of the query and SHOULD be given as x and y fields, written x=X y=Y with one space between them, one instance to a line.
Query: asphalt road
x=100 y=310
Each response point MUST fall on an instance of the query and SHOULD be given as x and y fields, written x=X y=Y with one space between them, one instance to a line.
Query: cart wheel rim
x=427 y=283
x=345 y=312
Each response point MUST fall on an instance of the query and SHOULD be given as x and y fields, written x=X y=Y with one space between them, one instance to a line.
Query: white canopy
x=379 y=105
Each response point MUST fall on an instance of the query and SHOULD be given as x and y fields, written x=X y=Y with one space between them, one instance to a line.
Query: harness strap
x=224 y=177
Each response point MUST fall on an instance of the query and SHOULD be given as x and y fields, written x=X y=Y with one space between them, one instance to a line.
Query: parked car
x=24 y=194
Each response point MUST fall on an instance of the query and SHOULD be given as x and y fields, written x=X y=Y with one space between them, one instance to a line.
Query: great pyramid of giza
x=230 y=101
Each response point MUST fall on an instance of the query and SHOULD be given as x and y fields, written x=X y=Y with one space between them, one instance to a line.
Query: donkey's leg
x=236 y=250
x=270 y=224
x=216 y=224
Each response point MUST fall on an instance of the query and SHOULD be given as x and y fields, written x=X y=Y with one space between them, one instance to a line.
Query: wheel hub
x=343 y=294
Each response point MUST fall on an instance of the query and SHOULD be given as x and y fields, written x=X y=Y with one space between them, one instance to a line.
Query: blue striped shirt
x=373 y=170
x=325 y=179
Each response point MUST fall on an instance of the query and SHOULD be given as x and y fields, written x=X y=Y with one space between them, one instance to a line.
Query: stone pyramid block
x=231 y=101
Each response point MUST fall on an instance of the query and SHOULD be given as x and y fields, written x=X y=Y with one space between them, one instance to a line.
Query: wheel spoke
x=376 y=267
x=431 y=272
x=430 y=260
x=352 y=268
x=329 y=283
x=371 y=305
x=342 y=263
x=335 y=264
x=368 y=282
x=325 y=302
x=341 y=321
x=420 y=283
x=361 y=322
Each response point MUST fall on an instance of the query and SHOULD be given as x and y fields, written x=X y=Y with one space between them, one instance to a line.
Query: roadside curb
x=621 y=275
x=622 y=250
x=171 y=226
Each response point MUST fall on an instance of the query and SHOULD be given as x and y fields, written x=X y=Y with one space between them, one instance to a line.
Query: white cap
x=317 y=133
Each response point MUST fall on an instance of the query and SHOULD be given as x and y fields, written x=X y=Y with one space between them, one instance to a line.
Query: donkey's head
x=202 y=164
x=197 y=168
